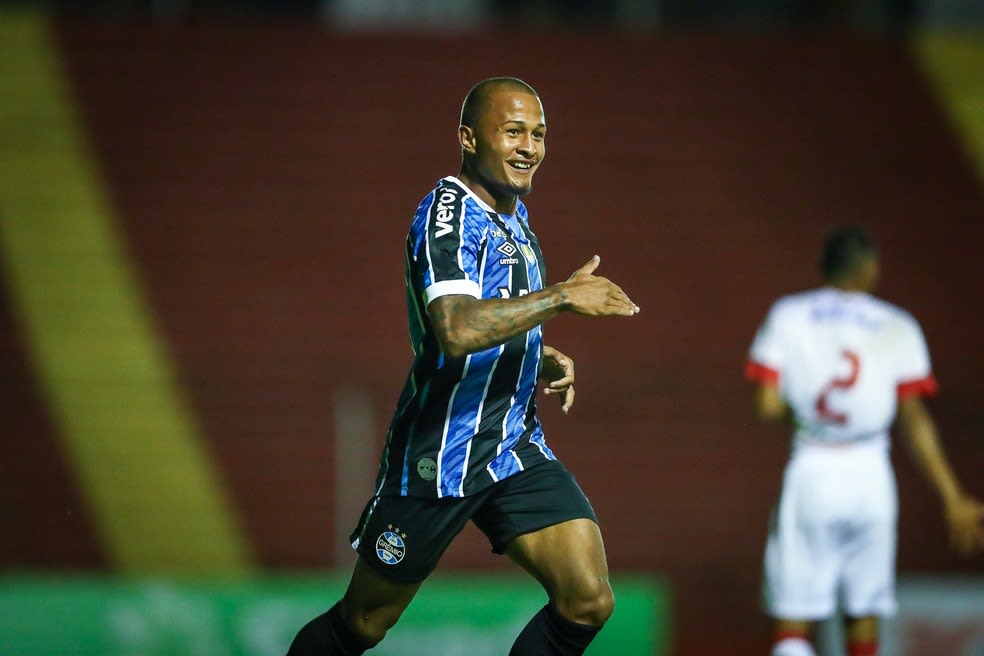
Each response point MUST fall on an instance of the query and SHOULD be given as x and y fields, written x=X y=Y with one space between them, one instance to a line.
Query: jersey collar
x=481 y=203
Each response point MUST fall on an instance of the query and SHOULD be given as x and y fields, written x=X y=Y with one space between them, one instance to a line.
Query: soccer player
x=843 y=365
x=465 y=442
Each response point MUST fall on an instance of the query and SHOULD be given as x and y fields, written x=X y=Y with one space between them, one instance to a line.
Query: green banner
x=451 y=616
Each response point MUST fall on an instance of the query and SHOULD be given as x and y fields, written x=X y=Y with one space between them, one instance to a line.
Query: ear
x=466 y=137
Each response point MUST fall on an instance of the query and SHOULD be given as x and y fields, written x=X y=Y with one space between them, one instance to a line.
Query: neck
x=848 y=286
x=501 y=203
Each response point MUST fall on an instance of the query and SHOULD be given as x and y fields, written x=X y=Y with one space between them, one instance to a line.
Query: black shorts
x=404 y=537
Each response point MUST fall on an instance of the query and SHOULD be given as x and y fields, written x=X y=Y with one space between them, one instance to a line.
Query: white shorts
x=832 y=538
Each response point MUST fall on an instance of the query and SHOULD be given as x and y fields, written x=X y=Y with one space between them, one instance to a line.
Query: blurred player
x=843 y=365
x=465 y=442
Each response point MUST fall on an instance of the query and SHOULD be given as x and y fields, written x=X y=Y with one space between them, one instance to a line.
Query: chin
x=511 y=188
x=522 y=188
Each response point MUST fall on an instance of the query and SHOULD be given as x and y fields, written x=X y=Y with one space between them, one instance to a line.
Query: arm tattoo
x=467 y=325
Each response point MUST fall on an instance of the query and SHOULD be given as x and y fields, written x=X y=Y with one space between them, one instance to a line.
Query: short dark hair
x=479 y=96
x=844 y=248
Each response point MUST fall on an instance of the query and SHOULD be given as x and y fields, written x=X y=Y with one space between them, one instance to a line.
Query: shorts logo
x=390 y=547
x=427 y=469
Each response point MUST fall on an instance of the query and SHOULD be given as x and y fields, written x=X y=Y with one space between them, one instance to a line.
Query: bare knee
x=370 y=624
x=372 y=603
x=589 y=602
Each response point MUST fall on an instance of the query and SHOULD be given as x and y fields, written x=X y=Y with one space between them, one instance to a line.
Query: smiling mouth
x=522 y=166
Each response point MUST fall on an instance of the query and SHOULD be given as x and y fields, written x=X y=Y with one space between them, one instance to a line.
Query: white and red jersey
x=841 y=361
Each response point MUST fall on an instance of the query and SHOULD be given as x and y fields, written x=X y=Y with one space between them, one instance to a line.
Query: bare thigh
x=568 y=559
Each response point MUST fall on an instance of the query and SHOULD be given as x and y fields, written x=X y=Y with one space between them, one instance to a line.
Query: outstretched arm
x=964 y=514
x=464 y=324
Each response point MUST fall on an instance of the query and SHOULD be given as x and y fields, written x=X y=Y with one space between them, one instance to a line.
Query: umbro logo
x=507 y=249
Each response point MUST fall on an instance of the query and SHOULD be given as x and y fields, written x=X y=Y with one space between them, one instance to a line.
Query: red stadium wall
x=265 y=178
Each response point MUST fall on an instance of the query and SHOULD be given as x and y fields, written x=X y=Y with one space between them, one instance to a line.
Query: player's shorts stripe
x=365 y=522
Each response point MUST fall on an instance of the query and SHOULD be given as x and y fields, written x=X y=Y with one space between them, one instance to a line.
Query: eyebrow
x=523 y=123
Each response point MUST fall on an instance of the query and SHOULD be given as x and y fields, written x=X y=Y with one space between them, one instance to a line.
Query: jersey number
x=847 y=382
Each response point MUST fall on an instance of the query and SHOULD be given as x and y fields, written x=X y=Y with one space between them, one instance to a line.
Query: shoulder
x=789 y=313
x=889 y=311
x=891 y=308
x=449 y=202
x=898 y=315
x=451 y=194
x=794 y=304
x=445 y=194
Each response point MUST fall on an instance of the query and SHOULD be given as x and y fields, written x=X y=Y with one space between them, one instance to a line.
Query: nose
x=527 y=147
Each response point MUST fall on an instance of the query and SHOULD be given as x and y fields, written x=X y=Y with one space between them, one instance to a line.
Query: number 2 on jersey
x=847 y=382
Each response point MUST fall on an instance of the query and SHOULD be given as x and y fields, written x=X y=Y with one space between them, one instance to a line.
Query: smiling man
x=465 y=442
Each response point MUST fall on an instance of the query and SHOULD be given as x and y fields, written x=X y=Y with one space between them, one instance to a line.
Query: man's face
x=508 y=142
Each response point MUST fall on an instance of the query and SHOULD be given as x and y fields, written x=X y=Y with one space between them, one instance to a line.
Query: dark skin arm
x=964 y=515
x=465 y=325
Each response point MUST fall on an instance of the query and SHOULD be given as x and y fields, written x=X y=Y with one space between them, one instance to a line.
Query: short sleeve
x=445 y=240
x=915 y=373
x=765 y=357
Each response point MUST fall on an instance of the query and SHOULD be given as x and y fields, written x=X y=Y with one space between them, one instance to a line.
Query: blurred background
x=202 y=325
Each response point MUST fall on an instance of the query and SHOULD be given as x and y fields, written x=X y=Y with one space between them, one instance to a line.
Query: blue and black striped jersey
x=463 y=423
